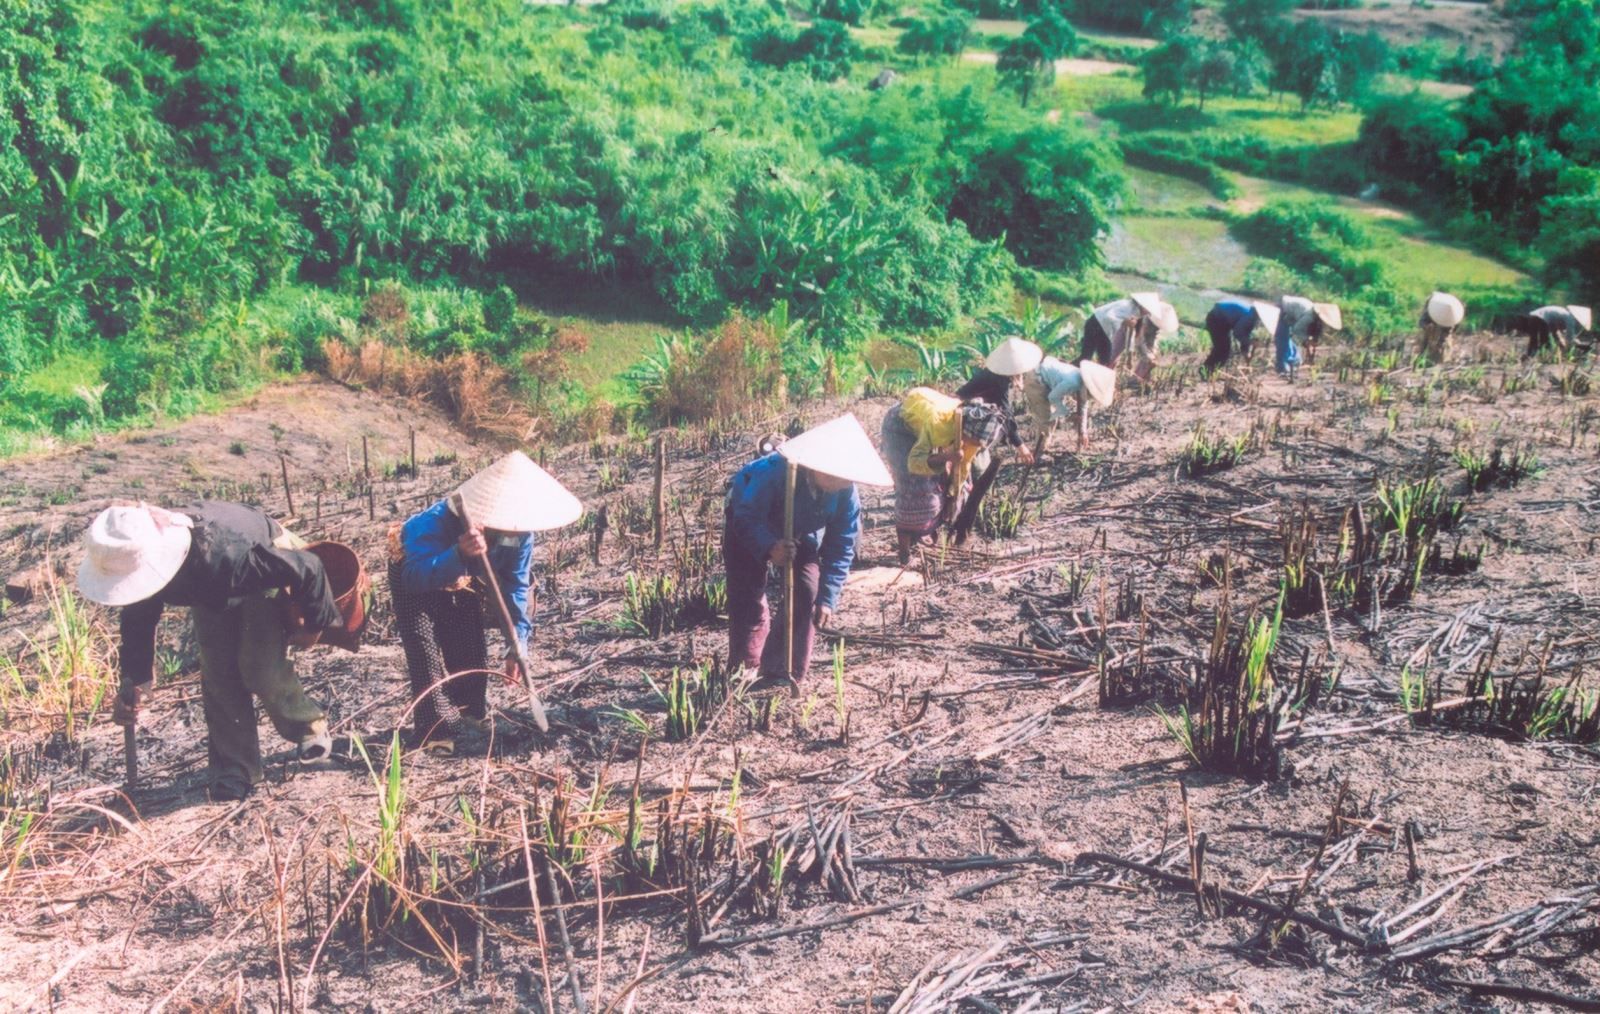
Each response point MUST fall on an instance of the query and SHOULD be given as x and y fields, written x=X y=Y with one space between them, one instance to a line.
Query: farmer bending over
x=1233 y=320
x=239 y=573
x=435 y=575
x=1056 y=381
x=1301 y=320
x=1563 y=323
x=1440 y=315
x=1136 y=322
x=828 y=460
x=930 y=440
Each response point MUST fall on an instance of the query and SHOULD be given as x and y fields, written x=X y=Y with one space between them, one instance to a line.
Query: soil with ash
x=943 y=851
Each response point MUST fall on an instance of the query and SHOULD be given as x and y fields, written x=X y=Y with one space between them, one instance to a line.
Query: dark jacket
x=996 y=390
x=231 y=556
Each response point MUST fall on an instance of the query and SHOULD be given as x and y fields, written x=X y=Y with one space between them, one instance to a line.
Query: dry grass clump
x=731 y=373
x=479 y=396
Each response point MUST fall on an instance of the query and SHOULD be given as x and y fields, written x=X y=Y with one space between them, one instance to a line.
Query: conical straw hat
x=1582 y=315
x=1445 y=310
x=1099 y=381
x=1014 y=357
x=1151 y=302
x=1167 y=319
x=839 y=448
x=1329 y=314
x=516 y=495
x=1268 y=315
x=128 y=556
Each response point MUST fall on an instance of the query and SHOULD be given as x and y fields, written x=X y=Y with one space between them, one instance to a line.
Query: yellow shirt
x=936 y=420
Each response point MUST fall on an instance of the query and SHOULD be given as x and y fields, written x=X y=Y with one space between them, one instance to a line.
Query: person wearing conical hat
x=1301 y=320
x=239 y=573
x=1137 y=322
x=1441 y=312
x=1002 y=376
x=1566 y=324
x=830 y=460
x=930 y=440
x=1235 y=320
x=1056 y=381
x=439 y=604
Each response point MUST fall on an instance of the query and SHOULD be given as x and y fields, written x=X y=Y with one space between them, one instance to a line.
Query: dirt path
x=1070 y=67
x=959 y=749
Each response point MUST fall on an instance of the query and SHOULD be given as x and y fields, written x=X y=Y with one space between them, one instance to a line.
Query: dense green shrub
x=938 y=31
x=1315 y=240
x=1047 y=189
x=825 y=49
x=162 y=168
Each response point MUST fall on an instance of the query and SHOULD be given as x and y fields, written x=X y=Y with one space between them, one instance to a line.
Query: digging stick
x=507 y=627
x=788 y=569
x=969 y=510
x=130 y=755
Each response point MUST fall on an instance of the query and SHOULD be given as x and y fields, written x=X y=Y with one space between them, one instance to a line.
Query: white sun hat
x=516 y=495
x=131 y=552
x=839 y=448
x=1014 y=357
x=1329 y=314
x=1267 y=313
x=1167 y=319
x=1445 y=310
x=1582 y=315
x=1099 y=381
x=1150 y=302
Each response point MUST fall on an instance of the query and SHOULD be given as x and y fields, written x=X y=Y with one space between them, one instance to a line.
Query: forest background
x=574 y=219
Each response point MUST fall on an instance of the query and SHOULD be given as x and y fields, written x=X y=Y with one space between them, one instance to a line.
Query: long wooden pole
x=507 y=627
x=130 y=754
x=788 y=570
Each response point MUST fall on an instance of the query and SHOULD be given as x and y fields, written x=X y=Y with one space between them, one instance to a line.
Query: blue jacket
x=433 y=563
x=829 y=523
x=1241 y=317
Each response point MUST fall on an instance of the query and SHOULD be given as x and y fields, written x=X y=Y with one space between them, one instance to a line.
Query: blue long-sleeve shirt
x=829 y=522
x=433 y=563
x=1240 y=316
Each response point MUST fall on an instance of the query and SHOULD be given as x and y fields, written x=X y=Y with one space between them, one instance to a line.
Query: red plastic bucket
x=351 y=590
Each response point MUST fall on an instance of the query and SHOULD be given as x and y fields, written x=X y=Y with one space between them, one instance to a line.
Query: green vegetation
x=1500 y=468
x=1205 y=454
x=180 y=223
x=196 y=199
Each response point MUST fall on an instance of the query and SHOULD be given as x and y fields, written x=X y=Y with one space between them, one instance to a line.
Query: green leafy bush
x=1314 y=239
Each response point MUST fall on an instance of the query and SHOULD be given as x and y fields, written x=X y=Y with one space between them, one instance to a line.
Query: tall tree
x=1028 y=62
x=1166 y=70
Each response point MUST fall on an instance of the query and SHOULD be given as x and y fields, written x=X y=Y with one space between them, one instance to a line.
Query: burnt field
x=1279 y=697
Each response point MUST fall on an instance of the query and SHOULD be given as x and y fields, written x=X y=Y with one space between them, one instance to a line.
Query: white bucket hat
x=516 y=495
x=1582 y=315
x=1329 y=314
x=1099 y=381
x=130 y=553
x=1267 y=314
x=1150 y=302
x=839 y=448
x=1014 y=357
x=1445 y=310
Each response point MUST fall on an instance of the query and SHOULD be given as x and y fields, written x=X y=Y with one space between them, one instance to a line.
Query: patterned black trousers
x=442 y=633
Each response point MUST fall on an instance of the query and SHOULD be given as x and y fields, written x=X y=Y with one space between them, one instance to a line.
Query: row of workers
x=1139 y=320
x=241 y=574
